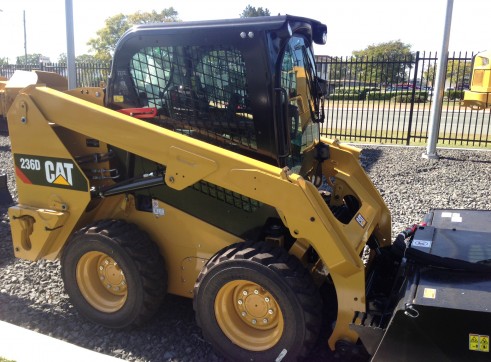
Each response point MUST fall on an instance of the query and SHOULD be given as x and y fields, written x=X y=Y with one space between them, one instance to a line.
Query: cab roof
x=260 y=23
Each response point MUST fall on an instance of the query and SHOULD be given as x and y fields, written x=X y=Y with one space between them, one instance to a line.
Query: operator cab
x=247 y=85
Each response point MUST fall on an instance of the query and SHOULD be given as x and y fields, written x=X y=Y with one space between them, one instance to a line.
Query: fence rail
x=383 y=100
x=88 y=74
x=388 y=100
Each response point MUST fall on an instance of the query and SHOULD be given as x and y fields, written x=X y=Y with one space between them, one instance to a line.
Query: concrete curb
x=23 y=345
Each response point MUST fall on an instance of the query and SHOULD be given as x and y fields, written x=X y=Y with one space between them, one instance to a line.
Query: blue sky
x=352 y=24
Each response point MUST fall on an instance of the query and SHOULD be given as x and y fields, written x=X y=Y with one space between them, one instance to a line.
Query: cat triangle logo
x=60 y=180
x=59 y=173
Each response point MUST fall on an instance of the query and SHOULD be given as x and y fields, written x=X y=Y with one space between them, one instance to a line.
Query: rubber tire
x=139 y=259
x=280 y=274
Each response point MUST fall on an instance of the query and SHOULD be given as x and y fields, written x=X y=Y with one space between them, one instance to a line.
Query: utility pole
x=436 y=107
x=25 y=38
x=70 y=45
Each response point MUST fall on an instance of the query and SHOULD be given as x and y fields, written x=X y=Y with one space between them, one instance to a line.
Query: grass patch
x=450 y=105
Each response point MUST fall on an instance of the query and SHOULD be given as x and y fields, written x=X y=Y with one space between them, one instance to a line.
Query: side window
x=199 y=91
x=150 y=70
x=288 y=75
x=222 y=72
x=296 y=80
x=290 y=68
x=295 y=76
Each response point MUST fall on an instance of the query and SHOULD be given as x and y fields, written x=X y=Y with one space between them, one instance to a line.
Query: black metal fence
x=382 y=100
x=88 y=74
x=388 y=100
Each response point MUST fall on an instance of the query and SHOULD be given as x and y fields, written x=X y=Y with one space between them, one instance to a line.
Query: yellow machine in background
x=479 y=95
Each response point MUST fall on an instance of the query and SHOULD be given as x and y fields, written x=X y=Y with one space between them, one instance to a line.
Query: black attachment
x=321 y=153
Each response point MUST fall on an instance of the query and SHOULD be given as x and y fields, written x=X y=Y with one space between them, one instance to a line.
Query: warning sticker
x=429 y=293
x=118 y=99
x=454 y=216
x=474 y=342
x=361 y=220
x=484 y=343
x=422 y=243
x=156 y=209
x=478 y=343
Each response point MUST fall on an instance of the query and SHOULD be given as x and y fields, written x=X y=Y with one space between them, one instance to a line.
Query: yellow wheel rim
x=101 y=281
x=249 y=315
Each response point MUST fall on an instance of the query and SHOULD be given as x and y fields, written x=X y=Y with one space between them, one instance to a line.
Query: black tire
x=114 y=274
x=262 y=281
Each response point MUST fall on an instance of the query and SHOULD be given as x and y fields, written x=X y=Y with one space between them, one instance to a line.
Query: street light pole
x=436 y=107
x=25 y=38
x=70 y=45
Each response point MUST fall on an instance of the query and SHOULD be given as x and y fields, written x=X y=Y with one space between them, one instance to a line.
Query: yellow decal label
x=118 y=99
x=484 y=343
x=429 y=293
x=478 y=343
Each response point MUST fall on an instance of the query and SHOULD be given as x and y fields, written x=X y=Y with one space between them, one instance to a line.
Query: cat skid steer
x=200 y=171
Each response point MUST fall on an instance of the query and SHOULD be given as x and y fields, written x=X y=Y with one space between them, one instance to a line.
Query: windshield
x=298 y=79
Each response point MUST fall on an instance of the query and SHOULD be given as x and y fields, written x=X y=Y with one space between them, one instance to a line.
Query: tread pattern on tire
x=145 y=255
x=288 y=267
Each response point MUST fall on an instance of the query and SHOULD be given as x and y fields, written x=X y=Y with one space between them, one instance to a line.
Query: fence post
x=413 y=94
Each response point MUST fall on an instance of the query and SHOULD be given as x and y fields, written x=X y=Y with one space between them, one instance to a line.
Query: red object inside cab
x=140 y=113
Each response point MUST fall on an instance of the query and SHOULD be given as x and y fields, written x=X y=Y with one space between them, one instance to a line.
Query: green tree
x=62 y=58
x=392 y=60
x=340 y=68
x=103 y=45
x=251 y=12
x=4 y=61
x=84 y=58
x=458 y=73
x=32 y=59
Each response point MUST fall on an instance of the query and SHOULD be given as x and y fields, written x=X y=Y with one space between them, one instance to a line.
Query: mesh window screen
x=198 y=91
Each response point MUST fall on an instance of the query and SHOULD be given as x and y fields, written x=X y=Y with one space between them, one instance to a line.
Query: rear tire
x=114 y=274
x=255 y=302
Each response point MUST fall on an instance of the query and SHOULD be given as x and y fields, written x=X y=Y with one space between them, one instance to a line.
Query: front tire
x=255 y=302
x=114 y=274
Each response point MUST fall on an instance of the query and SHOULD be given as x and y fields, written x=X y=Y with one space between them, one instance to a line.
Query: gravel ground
x=32 y=295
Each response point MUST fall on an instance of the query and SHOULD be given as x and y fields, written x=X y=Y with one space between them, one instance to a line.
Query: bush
x=344 y=97
x=419 y=97
x=347 y=91
x=359 y=94
x=401 y=97
x=380 y=96
x=374 y=94
x=454 y=94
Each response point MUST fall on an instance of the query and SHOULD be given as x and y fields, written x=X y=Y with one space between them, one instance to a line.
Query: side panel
x=185 y=242
x=47 y=177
